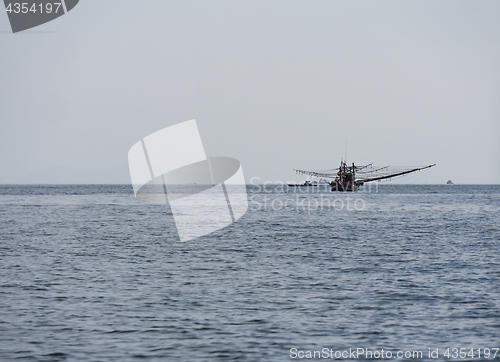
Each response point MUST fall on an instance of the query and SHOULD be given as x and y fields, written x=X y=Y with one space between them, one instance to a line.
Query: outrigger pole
x=361 y=182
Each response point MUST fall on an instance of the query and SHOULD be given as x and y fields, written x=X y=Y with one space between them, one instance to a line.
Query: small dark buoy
x=449 y=182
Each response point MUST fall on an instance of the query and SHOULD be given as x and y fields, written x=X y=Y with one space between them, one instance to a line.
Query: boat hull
x=343 y=186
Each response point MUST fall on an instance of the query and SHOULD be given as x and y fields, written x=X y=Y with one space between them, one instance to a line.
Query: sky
x=275 y=84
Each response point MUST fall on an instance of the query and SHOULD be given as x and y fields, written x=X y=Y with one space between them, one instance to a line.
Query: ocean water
x=89 y=274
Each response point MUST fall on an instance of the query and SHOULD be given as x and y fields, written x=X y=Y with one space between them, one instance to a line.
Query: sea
x=395 y=272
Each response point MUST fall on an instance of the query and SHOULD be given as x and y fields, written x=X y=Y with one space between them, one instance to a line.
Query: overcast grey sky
x=276 y=84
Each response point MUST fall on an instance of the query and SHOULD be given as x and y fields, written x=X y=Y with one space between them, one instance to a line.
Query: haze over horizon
x=277 y=85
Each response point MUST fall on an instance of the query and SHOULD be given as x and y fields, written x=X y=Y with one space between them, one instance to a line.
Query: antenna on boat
x=345 y=159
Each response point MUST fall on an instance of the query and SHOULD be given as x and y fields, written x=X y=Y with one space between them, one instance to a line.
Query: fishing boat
x=345 y=177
